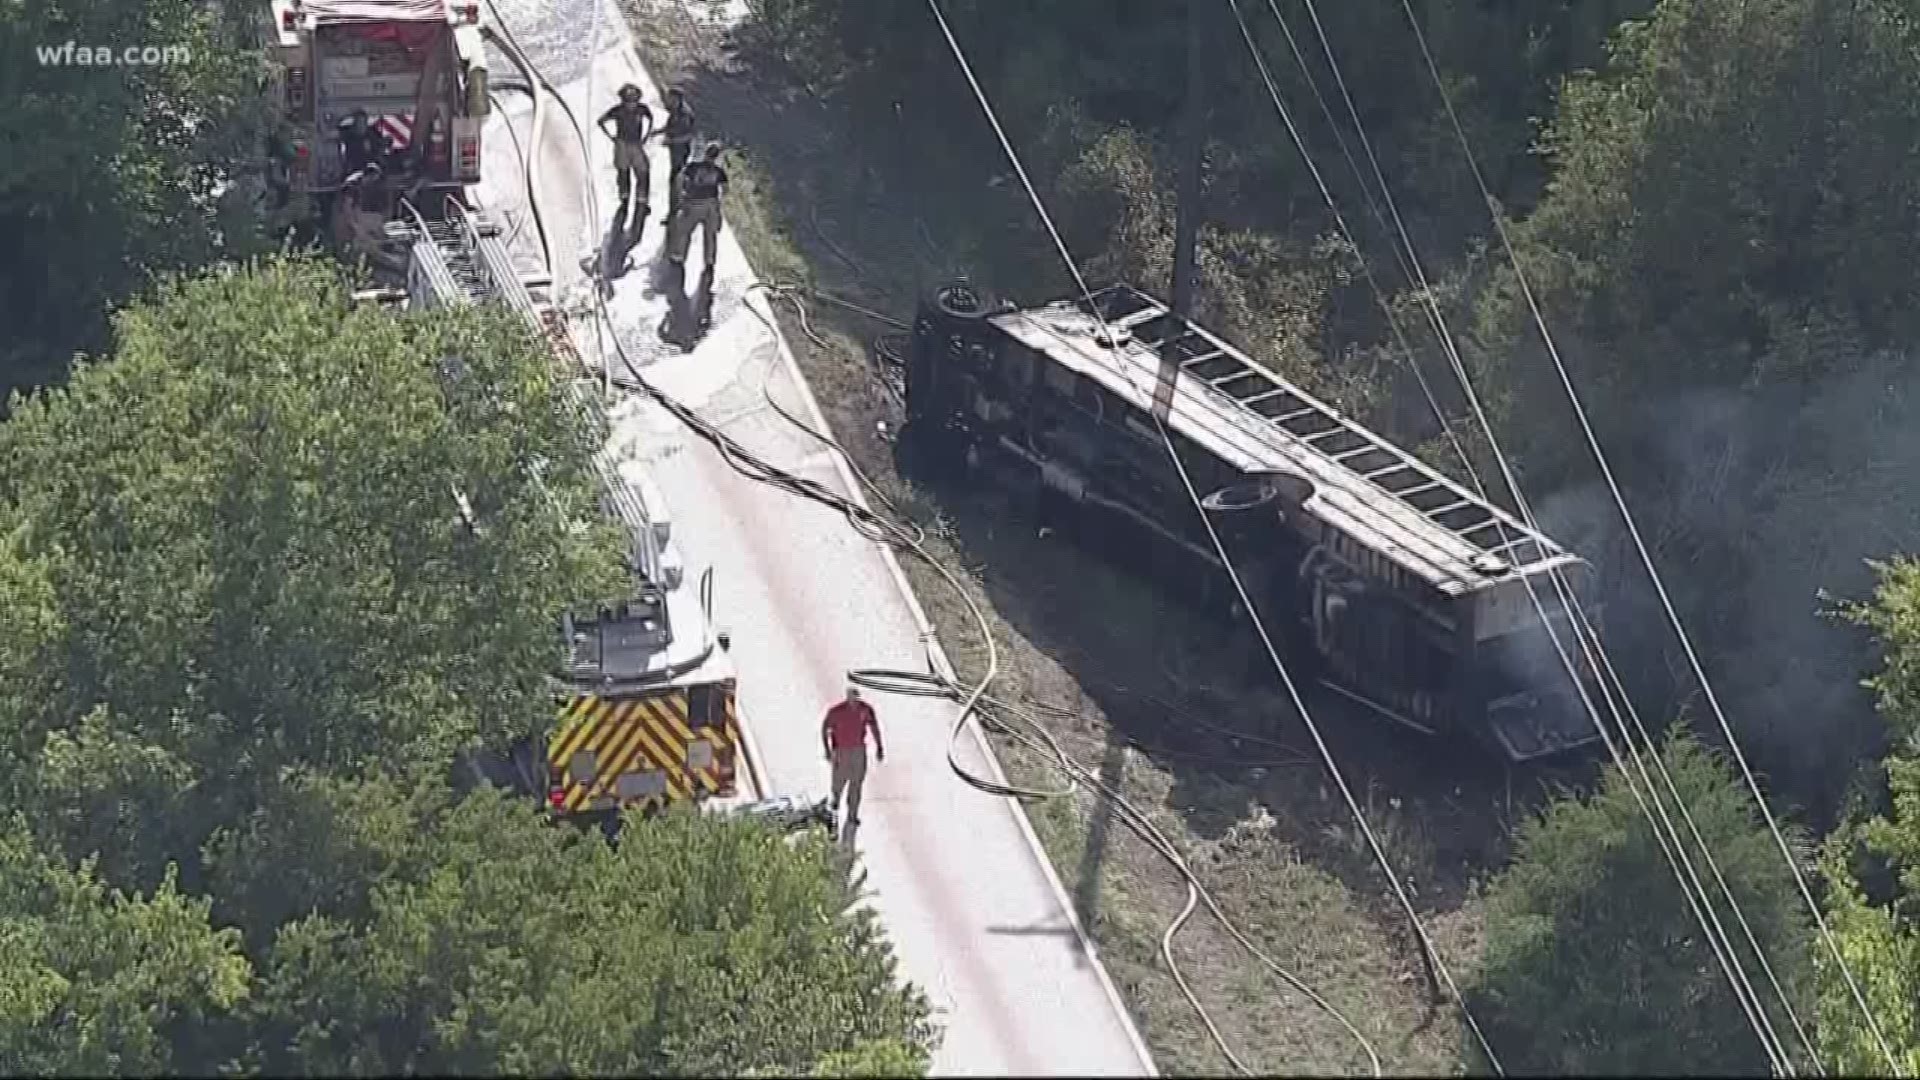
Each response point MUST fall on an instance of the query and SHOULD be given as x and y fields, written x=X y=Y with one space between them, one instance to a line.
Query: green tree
x=1720 y=255
x=698 y=946
x=111 y=173
x=233 y=551
x=1092 y=93
x=1872 y=864
x=319 y=845
x=877 y=1058
x=1732 y=191
x=1594 y=963
x=99 y=982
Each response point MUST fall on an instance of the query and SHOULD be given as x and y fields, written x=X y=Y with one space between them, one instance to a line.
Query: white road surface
x=975 y=912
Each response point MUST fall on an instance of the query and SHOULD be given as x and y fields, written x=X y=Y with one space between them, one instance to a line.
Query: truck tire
x=960 y=300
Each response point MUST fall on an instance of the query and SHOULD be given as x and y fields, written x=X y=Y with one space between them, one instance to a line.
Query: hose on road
x=995 y=714
x=973 y=700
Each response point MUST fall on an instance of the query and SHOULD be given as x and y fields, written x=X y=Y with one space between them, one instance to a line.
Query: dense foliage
x=245 y=635
x=100 y=982
x=1723 y=253
x=1874 y=862
x=233 y=551
x=110 y=174
x=696 y=947
x=1592 y=945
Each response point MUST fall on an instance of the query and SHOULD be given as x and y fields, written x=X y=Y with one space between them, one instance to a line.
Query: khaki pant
x=703 y=214
x=632 y=157
x=677 y=155
x=359 y=232
x=849 y=776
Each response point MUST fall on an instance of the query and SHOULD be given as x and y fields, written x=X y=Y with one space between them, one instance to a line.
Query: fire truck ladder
x=461 y=259
x=454 y=261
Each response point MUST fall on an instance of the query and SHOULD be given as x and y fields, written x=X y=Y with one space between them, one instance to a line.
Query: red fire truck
x=416 y=68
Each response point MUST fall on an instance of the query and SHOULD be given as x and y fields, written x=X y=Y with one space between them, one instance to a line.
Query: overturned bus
x=1401 y=590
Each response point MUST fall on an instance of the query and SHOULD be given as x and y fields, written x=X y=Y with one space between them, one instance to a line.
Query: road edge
x=936 y=654
x=943 y=667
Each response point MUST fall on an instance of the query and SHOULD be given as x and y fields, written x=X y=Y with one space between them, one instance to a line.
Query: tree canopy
x=245 y=635
x=694 y=947
x=99 y=981
x=110 y=174
x=1873 y=862
x=1721 y=253
x=1595 y=963
x=234 y=549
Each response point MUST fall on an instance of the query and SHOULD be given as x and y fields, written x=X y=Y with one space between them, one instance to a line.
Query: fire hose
x=973 y=700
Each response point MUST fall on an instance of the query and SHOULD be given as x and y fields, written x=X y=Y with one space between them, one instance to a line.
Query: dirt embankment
x=1134 y=689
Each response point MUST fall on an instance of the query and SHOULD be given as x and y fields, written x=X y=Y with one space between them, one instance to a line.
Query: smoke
x=1752 y=504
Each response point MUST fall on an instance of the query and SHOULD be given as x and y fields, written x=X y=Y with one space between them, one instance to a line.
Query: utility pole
x=1193 y=144
x=1186 y=225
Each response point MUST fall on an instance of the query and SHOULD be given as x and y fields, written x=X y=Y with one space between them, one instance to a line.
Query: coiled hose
x=909 y=536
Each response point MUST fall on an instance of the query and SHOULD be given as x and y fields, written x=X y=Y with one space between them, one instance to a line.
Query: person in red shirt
x=843 y=734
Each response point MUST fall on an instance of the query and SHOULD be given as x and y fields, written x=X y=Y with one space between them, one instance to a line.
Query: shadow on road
x=688 y=317
x=1188 y=694
x=615 y=260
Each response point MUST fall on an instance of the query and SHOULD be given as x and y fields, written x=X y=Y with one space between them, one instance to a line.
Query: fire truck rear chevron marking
x=625 y=736
x=648 y=734
x=398 y=129
x=670 y=720
x=734 y=743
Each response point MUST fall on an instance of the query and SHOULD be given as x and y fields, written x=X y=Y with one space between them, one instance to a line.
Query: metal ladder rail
x=491 y=261
x=1474 y=515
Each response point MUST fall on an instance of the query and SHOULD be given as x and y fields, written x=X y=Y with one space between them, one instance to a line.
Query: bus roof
x=1383 y=497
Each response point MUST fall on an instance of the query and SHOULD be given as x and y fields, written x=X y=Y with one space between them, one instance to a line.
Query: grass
x=1273 y=842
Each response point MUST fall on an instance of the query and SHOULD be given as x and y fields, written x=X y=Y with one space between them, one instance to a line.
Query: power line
x=1699 y=905
x=1640 y=547
x=1591 y=644
x=1429 y=950
x=972 y=700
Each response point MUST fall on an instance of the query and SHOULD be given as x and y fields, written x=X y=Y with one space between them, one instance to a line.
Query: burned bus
x=1395 y=586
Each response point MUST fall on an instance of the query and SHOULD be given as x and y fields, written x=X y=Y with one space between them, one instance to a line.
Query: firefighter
x=631 y=122
x=701 y=184
x=843 y=734
x=361 y=144
x=677 y=133
x=366 y=202
x=346 y=209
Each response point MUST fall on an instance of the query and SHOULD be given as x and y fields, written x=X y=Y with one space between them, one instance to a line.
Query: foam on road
x=976 y=915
